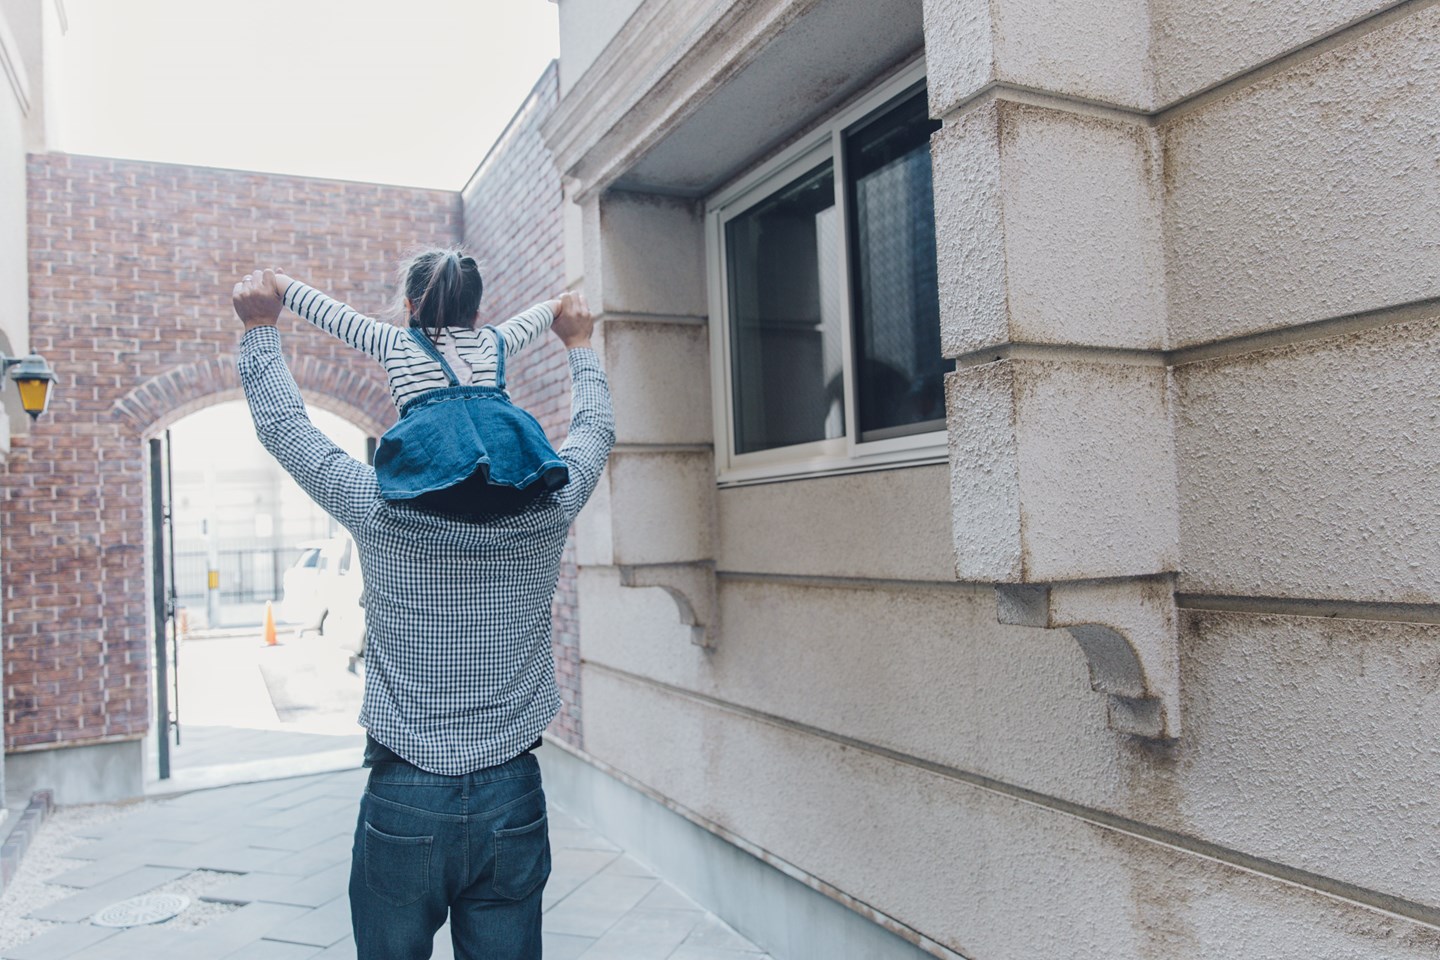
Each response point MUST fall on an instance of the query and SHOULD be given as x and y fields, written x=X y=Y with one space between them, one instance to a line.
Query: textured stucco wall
x=1311 y=193
x=1112 y=240
x=983 y=873
x=926 y=671
x=1310 y=470
x=1093 y=51
x=1195 y=45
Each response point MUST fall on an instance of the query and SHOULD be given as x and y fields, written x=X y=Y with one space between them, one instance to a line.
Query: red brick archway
x=131 y=265
x=357 y=395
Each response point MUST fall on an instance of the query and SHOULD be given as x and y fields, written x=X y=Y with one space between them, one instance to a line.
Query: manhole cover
x=138 y=911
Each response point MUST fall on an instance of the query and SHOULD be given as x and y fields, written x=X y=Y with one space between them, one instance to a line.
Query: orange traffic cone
x=270 y=640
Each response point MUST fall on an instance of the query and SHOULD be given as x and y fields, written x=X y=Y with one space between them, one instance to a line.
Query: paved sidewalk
x=270 y=863
x=251 y=712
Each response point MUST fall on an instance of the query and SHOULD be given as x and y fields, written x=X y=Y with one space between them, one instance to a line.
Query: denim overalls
x=466 y=449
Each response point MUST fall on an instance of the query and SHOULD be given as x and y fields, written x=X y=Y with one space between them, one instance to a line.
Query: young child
x=460 y=445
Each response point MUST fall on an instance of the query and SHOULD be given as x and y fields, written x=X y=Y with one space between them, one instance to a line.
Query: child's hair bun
x=444 y=288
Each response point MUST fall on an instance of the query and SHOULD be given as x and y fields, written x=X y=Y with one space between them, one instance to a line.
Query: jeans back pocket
x=397 y=869
x=522 y=859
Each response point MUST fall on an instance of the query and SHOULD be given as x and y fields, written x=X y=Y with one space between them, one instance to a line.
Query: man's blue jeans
x=476 y=846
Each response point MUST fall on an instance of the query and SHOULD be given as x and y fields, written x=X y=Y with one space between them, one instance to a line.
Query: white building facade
x=1020 y=541
x=26 y=62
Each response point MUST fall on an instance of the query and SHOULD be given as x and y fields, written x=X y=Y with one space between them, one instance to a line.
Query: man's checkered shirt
x=458 y=669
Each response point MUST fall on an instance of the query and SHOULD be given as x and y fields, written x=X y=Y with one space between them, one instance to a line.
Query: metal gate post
x=157 y=589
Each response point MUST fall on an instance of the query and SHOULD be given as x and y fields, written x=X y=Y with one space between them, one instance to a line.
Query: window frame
x=847 y=454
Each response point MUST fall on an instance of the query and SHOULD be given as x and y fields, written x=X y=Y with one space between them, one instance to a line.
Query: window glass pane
x=898 y=367
x=782 y=256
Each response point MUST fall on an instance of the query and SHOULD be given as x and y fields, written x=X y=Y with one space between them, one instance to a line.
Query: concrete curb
x=12 y=851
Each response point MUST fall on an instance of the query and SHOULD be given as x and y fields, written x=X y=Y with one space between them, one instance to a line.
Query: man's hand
x=257 y=299
x=573 y=322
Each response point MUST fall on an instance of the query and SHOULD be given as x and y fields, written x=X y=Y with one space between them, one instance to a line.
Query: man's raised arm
x=343 y=486
x=592 y=420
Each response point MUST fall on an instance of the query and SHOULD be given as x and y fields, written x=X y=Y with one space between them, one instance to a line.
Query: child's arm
x=361 y=332
x=521 y=331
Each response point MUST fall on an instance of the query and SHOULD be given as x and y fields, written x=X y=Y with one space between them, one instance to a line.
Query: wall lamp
x=33 y=377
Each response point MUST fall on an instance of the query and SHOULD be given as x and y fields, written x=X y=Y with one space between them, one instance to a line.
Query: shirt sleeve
x=342 y=485
x=335 y=318
x=592 y=430
x=521 y=331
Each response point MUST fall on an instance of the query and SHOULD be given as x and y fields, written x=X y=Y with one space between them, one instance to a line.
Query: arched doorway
x=244 y=543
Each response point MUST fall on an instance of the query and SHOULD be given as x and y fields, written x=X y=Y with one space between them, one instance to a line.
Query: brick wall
x=513 y=225
x=131 y=266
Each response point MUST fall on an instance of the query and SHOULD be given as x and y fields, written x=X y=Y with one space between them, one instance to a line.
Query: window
x=823 y=280
x=785 y=316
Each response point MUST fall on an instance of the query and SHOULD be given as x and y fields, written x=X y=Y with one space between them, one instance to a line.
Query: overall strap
x=499 y=356
x=429 y=347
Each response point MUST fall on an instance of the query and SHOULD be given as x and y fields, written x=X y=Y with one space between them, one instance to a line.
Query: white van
x=323 y=587
x=346 y=622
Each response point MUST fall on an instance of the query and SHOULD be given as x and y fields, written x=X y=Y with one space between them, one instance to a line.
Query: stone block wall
x=1188 y=279
x=131 y=266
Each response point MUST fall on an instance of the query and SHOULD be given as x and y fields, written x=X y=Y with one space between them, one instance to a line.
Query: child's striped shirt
x=410 y=369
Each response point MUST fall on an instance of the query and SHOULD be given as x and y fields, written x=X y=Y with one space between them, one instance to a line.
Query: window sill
x=818 y=467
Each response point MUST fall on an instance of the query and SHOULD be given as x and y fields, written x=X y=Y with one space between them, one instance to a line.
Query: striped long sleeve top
x=410 y=370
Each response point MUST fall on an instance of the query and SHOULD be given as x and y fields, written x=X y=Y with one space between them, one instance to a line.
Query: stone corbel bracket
x=1128 y=630
x=691 y=586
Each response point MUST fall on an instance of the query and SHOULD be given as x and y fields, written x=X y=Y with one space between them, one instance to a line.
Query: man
x=459 y=679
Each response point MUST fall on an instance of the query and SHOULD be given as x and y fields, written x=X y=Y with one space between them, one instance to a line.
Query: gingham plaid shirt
x=458 y=669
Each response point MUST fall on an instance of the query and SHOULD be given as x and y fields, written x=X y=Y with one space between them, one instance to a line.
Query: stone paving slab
x=137 y=943
x=61 y=942
x=288 y=844
x=99 y=871
x=688 y=952
x=579 y=839
x=597 y=904
x=564 y=946
x=645 y=933
x=666 y=897
x=569 y=869
x=139 y=846
x=309 y=833
x=274 y=950
x=623 y=866
x=319 y=857
x=156 y=824
x=323 y=926
x=315 y=890
x=225 y=855
x=296 y=797
x=222 y=937
x=323 y=808
x=344 y=950
x=131 y=884
x=712 y=934
x=246 y=888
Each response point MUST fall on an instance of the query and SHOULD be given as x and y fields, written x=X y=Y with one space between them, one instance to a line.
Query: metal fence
x=248 y=574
